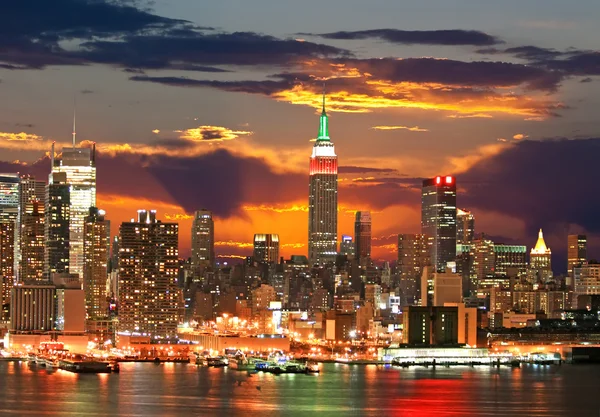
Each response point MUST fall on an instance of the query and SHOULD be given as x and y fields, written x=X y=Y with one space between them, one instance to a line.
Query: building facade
x=465 y=227
x=32 y=244
x=266 y=248
x=150 y=302
x=96 y=244
x=347 y=246
x=30 y=191
x=576 y=252
x=203 y=240
x=540 y=260
x=57 y=222
x=438 y=219
x=79 y=165
x=323 y=197
x=362 y=237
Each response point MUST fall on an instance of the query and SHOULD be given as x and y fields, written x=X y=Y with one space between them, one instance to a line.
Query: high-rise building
x=438 y=219
x=56 y=231
x=483 y=265
x=150 y=302
x=31 y=266
x=266 y=248
x=203 y=239
x=33 y=308
x=322 y=197
x=576 y=252
x=30 y=191
x=9 y=209
x=79 y=165
x=362 y=237
x=347 y=246
x=413 y=255
x=540 y=260
x=7 y=266
x=509 y=256
x=465 y=227
x=96 y=242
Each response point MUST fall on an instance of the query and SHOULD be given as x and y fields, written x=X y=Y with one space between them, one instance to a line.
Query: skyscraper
x=362 y=237
x=465 y=227
x=266 y=248
x=96 y=243
x=413 y=256
x=576 y=252
x=56 y=231
x=347 y=246
x=9 y=209
x=80 y=167
x=438 y=219
x=203 y=239
x=150 y=302
x=31 y=266
x=322 y=197
x=540 y=260
x=30 y=192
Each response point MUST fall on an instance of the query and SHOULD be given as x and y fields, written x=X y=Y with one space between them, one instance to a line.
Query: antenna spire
x=323 y=97
x=74 y=117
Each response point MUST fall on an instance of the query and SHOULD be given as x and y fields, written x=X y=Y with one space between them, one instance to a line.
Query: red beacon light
x=449 y=180
x=438 y=180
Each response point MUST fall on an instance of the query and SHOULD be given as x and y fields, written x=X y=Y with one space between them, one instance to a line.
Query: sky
x=215 y=105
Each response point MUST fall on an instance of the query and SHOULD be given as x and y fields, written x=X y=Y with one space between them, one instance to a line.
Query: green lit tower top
x=324 y=123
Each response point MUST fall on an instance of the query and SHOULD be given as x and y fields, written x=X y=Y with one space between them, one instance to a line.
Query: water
x=146 y=389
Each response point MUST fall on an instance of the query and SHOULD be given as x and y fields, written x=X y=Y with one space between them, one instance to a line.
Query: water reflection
x=142 y=389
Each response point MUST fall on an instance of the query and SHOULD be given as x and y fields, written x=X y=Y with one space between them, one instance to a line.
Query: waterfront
x=143 y=389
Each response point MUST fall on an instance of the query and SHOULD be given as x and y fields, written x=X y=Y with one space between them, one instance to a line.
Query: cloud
x=360 y=170
x=412 y=129
x=21 y=137
x=211 y=133
x=423 y=37
x=520 y=136
x=470 y=116
x=532 y=180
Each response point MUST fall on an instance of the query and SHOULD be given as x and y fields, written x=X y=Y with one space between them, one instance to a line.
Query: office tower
x=413 y=256
x=203 y=239
x=149 y=300
x=56 y=231
x=96 y=242
x=30 y=192
x=31 y=266
x=322 y=197
x=540 y=260
x=576 y=252
x=9 y=209
x=483 y=260
x=266 y=248
x=347 y=246
x=438 y=219
x=79 y=165
x=32 y=307
x=465 y=227
x=507 y=257
x=362 y=237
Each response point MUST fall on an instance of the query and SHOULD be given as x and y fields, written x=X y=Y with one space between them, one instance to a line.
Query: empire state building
x=322 y=197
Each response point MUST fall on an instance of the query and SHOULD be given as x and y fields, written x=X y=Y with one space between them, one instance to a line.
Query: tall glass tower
x=438 y=219
x=322 y=197
x=80 y=167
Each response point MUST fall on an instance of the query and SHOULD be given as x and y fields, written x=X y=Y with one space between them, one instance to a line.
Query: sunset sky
x=196 y=104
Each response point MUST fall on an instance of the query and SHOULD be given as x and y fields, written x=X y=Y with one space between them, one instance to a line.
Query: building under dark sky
x=438 y=219
x=362 y=237
x=322 y=197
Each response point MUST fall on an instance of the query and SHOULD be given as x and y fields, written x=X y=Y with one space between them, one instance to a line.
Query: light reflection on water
x=143 y=389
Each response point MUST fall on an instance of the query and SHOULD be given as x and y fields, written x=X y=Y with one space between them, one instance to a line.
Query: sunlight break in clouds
x=21 y=137
x=211 y=133
x=412 y=129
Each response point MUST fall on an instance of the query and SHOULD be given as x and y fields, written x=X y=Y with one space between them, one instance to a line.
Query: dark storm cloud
x=544 y=183
x=423 y=37
x=121 y=34
x=362 y=170
x=267 y=87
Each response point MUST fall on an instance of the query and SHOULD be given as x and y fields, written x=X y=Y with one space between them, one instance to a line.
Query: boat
x=242 y=363
x=91 y=367
x=215 y=361
x=312 y=367
x=114 y=367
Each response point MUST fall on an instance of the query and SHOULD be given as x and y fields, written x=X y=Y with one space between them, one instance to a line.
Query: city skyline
x=245 y=155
